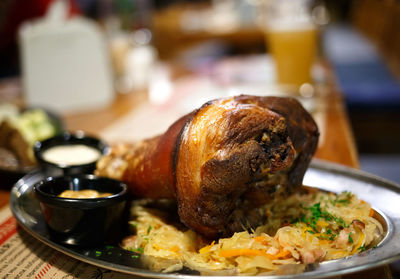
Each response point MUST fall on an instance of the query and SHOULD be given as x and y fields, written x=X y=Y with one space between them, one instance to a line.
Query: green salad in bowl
x=19 y=130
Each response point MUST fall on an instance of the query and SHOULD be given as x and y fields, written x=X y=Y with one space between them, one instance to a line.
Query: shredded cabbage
x=305 y=228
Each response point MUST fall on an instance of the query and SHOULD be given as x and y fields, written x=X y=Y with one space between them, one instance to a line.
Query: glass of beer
x=292 y=40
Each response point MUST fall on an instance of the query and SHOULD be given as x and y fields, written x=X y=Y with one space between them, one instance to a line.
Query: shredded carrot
x=339 y=254
x=322 y=223
x=371 y=212
x=174 y=248
x=206 y=249
x=157 y=247
x=252 y=252
x=362 y=201
x=325 y=241
x=260 y=238
x=241 y=252
x=359 y=243
x=281 y=255
x=305 y=230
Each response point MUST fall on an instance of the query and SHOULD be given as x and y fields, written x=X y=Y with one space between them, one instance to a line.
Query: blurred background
x=127 y=43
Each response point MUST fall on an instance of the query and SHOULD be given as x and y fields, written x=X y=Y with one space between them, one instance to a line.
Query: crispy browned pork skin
x=222 y=161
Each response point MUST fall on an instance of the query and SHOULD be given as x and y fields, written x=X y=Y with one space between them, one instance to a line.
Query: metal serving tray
x=383 y=195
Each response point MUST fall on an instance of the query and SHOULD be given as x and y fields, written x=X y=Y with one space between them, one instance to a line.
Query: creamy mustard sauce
x=83 y=194
x=75 y=154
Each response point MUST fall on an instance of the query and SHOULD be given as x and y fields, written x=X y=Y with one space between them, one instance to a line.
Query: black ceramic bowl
x=77 y=221
x=53 y=168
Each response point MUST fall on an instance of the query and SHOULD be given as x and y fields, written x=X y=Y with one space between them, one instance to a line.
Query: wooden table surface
x=337 y=145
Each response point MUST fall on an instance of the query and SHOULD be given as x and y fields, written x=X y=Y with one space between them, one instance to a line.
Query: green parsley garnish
x=134 y=224
x=362 y=248
x=317 y=213
x=139 y=250
x=350 y=239
x=340 y=222
x=342 y=201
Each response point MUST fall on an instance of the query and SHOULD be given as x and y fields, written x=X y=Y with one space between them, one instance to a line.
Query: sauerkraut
x=304 y=228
